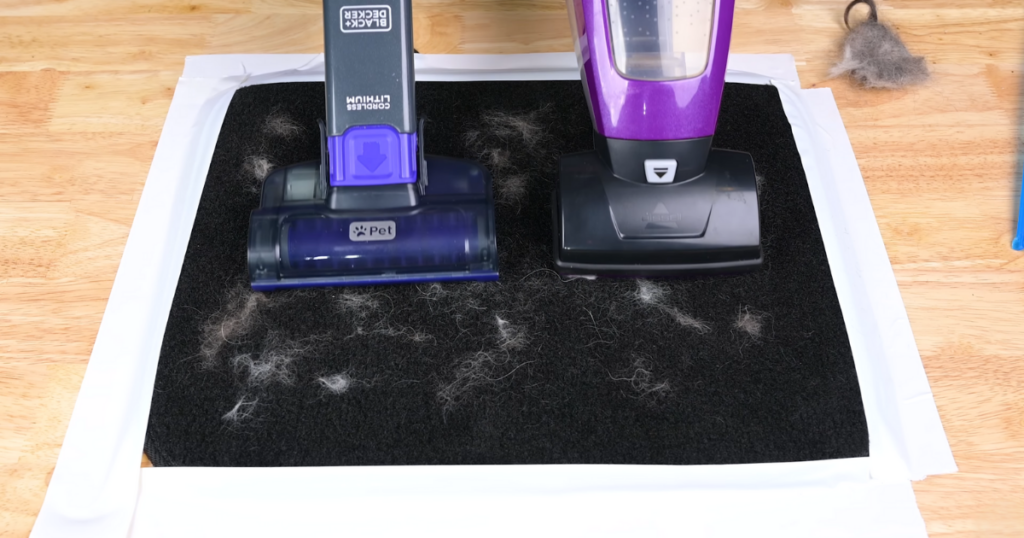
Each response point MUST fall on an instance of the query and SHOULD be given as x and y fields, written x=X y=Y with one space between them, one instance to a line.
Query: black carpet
x=575 y=372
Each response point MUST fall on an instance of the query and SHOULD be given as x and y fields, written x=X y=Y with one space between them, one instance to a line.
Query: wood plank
x=109 y=168
x=104 y=101
x=75 y=43
x=26 y=98
x=45 y=321
x=38 y=426
x=33 y=233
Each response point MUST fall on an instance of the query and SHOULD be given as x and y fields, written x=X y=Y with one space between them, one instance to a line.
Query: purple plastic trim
x=649 y=110
x=373 y=280
x=372 y=155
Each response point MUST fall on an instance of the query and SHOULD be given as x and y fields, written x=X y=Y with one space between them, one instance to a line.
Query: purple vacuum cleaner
x=366 y=213
x=653 y=198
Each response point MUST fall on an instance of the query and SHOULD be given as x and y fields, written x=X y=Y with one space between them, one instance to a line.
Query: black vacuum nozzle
x=610 y=226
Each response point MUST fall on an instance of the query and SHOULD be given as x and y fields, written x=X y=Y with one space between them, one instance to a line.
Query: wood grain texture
x=85 y=86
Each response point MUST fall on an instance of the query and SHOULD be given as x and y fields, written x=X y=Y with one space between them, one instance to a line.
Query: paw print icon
x=359 y=230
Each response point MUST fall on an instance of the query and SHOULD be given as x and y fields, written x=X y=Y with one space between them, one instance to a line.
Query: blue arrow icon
x=372 y=158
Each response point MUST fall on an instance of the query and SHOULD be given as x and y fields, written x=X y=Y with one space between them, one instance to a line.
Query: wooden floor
x=85 y=86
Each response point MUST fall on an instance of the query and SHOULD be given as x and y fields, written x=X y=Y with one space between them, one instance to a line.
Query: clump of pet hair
x=273 y=364
x=686 y=320
x=749 y=322
x=280 y=125
x=490 y=143
x=410 y=333
x=526 y=128
x=434 y=291
x=509 y=184
x=653 y=295
x=384 y=328
x=360 y=304
x=510 y=189
x=486 y=368
x=229 y=325
x=605 y=329
x=435 y=294
x=640 y=379
x=497 y=159
x=241 y=411
x=510 y=336
x=455 y=299
x=875 y=56
x=336 y=384
x=650 y=293
x=483 y=369
x=257 y=167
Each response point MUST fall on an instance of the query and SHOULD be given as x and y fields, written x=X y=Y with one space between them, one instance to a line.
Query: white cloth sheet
x=98 y=490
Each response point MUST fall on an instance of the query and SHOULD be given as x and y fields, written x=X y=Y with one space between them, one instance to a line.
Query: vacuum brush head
x=609 y=226
x=654 y=199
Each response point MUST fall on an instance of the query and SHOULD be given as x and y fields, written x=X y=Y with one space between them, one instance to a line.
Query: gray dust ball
x=750 y=322
x=273 y=364
x=336 y=384
x=876 y=57
x=278 y=124
x=257 y=167
x=650 y=293
x=526 y=127
x=510 y=336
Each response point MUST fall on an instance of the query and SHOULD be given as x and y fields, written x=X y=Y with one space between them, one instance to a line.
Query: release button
x=660 y=170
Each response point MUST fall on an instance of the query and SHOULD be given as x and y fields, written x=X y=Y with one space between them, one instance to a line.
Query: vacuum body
x=654 y=198
x=374 y=209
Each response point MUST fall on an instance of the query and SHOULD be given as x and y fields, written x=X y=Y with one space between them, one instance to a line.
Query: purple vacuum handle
x=627 y=108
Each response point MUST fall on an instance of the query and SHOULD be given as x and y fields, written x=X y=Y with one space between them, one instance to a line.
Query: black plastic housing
x=609 y=226
x=625 y=158
x=369 y=62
